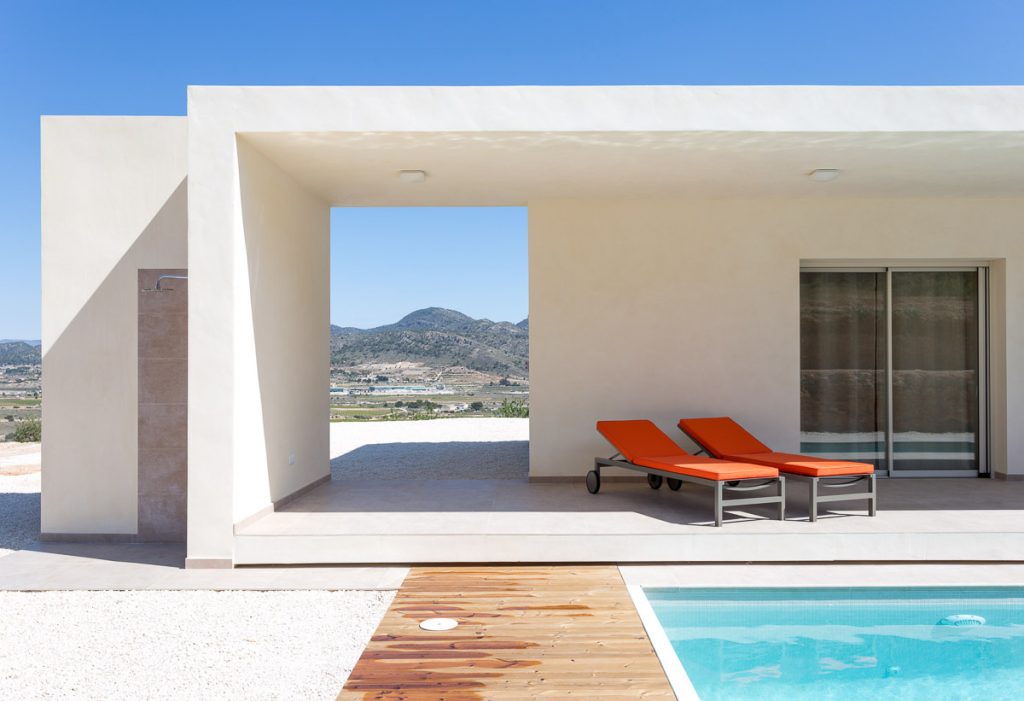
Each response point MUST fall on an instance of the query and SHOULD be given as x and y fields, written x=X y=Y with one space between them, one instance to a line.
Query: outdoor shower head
x=159 y=287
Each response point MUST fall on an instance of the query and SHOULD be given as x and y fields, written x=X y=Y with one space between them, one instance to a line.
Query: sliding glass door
x=936 y=370
x=843 y=406
x=892 y=368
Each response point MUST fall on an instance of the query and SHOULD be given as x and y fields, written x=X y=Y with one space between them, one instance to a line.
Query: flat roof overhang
x=514 y=168
x=510 y=145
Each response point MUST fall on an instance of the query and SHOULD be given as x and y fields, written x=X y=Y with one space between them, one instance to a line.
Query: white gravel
x=431 y=450
x=171 y=644
x=250 y=645
x=183 y=645
x=19 y=512
x=115 y=645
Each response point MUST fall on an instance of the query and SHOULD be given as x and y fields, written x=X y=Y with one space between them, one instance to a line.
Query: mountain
x=434 y=336
x=437 y=338
x=19 y=353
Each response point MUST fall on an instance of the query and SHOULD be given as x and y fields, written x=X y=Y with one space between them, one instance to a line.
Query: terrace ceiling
x=514 y=168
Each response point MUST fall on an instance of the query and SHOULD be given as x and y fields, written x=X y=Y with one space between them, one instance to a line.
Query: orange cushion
x=805 y=464
x=637 y=438
x=708 y=468
x=722 y=436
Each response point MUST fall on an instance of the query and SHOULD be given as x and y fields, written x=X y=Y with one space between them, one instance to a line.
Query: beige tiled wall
x=163 y=406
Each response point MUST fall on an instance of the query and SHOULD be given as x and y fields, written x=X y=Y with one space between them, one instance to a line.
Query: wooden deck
x=524 y=633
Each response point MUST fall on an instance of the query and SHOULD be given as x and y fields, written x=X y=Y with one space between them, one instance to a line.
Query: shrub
x=513 y=410
x=418 y=416
x=476 y=406
x=30 y=431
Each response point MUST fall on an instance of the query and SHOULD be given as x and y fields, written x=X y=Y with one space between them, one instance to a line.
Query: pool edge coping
x=678 y=679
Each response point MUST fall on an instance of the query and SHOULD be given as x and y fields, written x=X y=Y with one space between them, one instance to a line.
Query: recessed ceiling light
x=823 y=175
x=412 y=176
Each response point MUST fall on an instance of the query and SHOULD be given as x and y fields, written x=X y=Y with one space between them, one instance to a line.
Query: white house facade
x=840 y=268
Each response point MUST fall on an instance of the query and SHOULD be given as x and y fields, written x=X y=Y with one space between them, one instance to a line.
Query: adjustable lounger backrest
x=638 y=438
x=722 y=436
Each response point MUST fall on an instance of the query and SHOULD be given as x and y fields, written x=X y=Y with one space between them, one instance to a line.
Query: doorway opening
x=429 y=376
x=893 y=368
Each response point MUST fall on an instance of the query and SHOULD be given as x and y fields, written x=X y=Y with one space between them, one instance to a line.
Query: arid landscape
x=432 y=363
x=20 y=390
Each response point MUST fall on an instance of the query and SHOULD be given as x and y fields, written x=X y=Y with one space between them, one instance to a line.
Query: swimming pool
x=863 y=643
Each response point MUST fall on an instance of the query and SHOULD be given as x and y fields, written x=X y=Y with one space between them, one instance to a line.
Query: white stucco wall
x=283 y=336
x=664 y=309
x=113 y=201
x=259 y=328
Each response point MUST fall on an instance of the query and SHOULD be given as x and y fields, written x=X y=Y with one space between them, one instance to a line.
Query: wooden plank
x=524 y=633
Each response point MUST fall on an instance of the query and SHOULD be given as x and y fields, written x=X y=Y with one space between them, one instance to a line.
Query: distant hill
x=19 y=353
x=438 y=338
x=434 y=336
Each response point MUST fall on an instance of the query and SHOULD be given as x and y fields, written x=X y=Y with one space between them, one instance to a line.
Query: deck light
x=823 y=175
x=438 y=624
x=412 y=176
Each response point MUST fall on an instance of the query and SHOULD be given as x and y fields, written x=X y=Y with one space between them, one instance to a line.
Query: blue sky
x=137 y=57
x=472 y=259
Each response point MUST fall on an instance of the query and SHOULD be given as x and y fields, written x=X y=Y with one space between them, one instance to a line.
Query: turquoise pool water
x=797 y=644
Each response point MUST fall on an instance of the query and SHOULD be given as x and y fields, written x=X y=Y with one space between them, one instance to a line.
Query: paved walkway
x=524 y=632
x=19 y=458
x=26 y=564
x=119 y=567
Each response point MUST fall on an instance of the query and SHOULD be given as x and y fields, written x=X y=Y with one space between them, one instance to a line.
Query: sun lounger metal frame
x=816 y=484
x=719 y=486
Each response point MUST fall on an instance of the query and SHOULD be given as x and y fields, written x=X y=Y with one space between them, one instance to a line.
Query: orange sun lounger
x=644 y=447
x=724 y=438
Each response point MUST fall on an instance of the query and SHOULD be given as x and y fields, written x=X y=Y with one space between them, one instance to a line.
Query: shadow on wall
x=282 y=349
x=19 y=520
x=86 y=428
x=19 y=530
x=484 y=460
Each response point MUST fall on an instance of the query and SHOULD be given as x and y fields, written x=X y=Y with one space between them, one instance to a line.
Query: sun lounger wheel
x=654 y=481
x=593 y=482
x=674 y=485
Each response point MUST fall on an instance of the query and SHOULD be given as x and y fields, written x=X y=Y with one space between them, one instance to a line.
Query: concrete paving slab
x=424 y=521
x=103 y=567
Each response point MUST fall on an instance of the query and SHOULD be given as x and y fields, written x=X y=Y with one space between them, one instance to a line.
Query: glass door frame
x=983 y=359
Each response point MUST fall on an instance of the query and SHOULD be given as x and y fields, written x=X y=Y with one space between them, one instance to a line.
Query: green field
x=410 y=407
x=14 y=411
x=18 y=403
x=357 y=413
